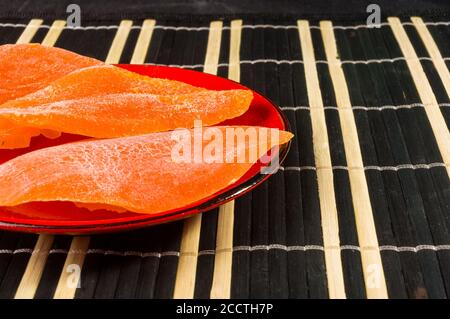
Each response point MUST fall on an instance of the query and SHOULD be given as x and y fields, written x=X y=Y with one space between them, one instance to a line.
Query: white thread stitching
x=367 y=168
x=256 y=26
x=292 y=62
x=364 y=108
x=16 y=251
x=414 y=249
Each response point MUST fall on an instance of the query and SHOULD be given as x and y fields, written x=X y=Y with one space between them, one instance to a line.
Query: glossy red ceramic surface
x=61 y=217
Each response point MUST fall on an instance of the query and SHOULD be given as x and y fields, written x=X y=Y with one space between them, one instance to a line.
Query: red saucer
x=66 y=218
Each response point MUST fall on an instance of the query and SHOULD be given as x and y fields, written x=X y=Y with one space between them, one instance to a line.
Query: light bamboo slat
x=80 y=245
x=367 y=236
x=234 y=68
x=35 y=267
x=143 y=42
x=329 y=216
x=221 y=285
x=119 y=42
x=53 y=33
x=29 y=31
x=187 y=263
x=75 y=256
x=66 y=289
x=437 y=122
x=434 y=52
x=213 y=49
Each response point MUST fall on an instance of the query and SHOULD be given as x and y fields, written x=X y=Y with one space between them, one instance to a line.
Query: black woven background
x=411 y=206
x=195 y=9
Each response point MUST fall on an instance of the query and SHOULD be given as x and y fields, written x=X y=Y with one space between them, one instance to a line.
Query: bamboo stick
x=221 y=285
x=35 y=267
x=80 y=245
x=437 y=122
x=329 y=216
x=29 y=31
x=143 y=42
x=187 y=263
x=367 y=236
x=119 y=42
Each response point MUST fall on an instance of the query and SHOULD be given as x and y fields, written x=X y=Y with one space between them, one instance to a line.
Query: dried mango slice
x=138 y=173
x=26 y=68
x=127 y=114
x=101 y=80
x=106 y=101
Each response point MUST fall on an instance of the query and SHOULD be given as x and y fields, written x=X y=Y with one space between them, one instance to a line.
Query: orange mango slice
x=138 y=174
x=118 y=115
x=26 y=68
x=106 y=101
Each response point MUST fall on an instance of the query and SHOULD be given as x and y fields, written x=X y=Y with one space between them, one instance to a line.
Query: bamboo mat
x=361 y=208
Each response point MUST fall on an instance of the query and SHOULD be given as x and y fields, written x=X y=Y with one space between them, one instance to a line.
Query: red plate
x=62 y=217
